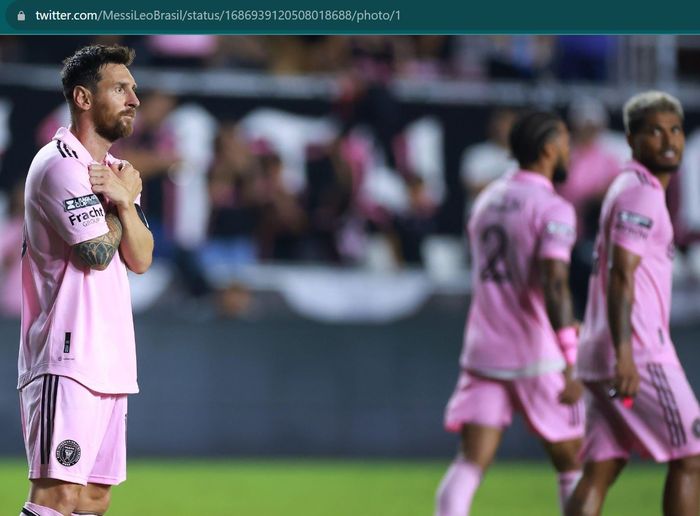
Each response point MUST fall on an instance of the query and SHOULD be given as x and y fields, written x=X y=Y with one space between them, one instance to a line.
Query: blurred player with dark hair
x=638 y=397
x=83 y=230
x=520 y=338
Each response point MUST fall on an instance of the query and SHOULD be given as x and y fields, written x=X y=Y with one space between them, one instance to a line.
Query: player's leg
x=682 y=489
x=64 y=428
x=479 y=409
x=564 y=457
x=477 y=450
x=94 y=500
x=589 y=495
x=51 y=497
x=560 y=426
x=605 y=451
x=681 y=431
x=110 y=464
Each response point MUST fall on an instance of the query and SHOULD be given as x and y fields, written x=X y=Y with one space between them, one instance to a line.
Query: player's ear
x=550 y=150
x=82 y=98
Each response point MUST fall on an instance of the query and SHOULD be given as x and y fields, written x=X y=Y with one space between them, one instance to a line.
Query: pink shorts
x=490 y=402
x=72 y=433
x=663 y=423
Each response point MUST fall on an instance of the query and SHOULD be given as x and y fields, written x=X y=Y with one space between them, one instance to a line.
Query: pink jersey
x=592 y=170
x=635 y=217
x=516 y=221
x=76 y=321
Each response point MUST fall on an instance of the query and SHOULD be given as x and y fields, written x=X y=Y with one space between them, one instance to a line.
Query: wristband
x=568 y=342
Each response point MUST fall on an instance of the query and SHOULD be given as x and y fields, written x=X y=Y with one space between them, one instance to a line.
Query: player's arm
x=121 y=184
x=137 y=241
x=557 y=297
x=631 y=226
x=98 y=252
x=77 y=214
x=620 y=299
x=557 y=238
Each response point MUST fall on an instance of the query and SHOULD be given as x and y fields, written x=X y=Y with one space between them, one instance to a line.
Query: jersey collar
x=70 y=145
x=528 y=176
x=638 y=167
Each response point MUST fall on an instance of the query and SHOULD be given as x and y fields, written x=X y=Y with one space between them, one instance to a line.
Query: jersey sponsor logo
x=87 y=218
x=630 y=217
x=80 y=202
x=632 y=231
x=68 y=453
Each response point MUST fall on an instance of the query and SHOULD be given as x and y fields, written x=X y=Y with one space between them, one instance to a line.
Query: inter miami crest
x=68 y=453
x=696 y=428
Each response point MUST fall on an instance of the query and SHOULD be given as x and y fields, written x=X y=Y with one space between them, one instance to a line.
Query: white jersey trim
x=536 y=369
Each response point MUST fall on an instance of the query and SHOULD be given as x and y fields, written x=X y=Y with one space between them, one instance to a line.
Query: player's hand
x=130 y=176
x=120 y=183
x=573 y=389
x=626 y=375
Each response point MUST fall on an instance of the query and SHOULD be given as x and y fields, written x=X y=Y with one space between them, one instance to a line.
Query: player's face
x=563 y=146
x=115 y=102
x=659 y=143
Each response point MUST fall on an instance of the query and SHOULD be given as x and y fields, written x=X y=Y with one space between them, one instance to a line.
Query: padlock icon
x=20 y=16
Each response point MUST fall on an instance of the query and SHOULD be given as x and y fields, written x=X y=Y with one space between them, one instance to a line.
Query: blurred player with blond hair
x=638 y=397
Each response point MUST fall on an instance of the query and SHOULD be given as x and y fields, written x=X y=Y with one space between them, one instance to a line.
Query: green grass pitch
x=335 y=488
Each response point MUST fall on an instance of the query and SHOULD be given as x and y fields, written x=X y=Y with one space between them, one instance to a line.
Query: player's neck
x=95 y=144
x=664 y=178
x=541 y=169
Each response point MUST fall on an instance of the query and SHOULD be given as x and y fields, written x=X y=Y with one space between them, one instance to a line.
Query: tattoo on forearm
x=557 y=296
x=558 y=303
x=100 y=251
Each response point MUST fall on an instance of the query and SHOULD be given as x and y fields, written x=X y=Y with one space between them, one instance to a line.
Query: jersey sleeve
x=71 y=207
x=558 y=231
x=633 y=217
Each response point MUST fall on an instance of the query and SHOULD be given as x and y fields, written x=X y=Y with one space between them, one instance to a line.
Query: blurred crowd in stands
x=351 y=187
x=520 y=57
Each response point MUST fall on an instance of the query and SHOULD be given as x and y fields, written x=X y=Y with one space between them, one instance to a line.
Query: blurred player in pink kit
x=638 y=397
x=520 y=338
x=83 y=230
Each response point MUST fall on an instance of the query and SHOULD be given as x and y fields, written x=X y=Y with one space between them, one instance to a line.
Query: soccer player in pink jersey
x=83 y=230
x=520 y=337
x=637 y=395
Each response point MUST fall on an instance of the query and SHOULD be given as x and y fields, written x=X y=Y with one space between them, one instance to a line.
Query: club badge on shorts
x=696 y=428
x=68 y=453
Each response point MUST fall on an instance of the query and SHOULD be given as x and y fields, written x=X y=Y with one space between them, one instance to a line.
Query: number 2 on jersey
x=494 y=242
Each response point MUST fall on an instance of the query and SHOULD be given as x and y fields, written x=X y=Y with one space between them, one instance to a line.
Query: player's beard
x=560 y=173
x=659 y=168
x=113 y=128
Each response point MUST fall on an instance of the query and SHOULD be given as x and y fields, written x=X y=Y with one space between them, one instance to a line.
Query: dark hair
x=530 y=132
x=83 y=68
x=638 y=107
